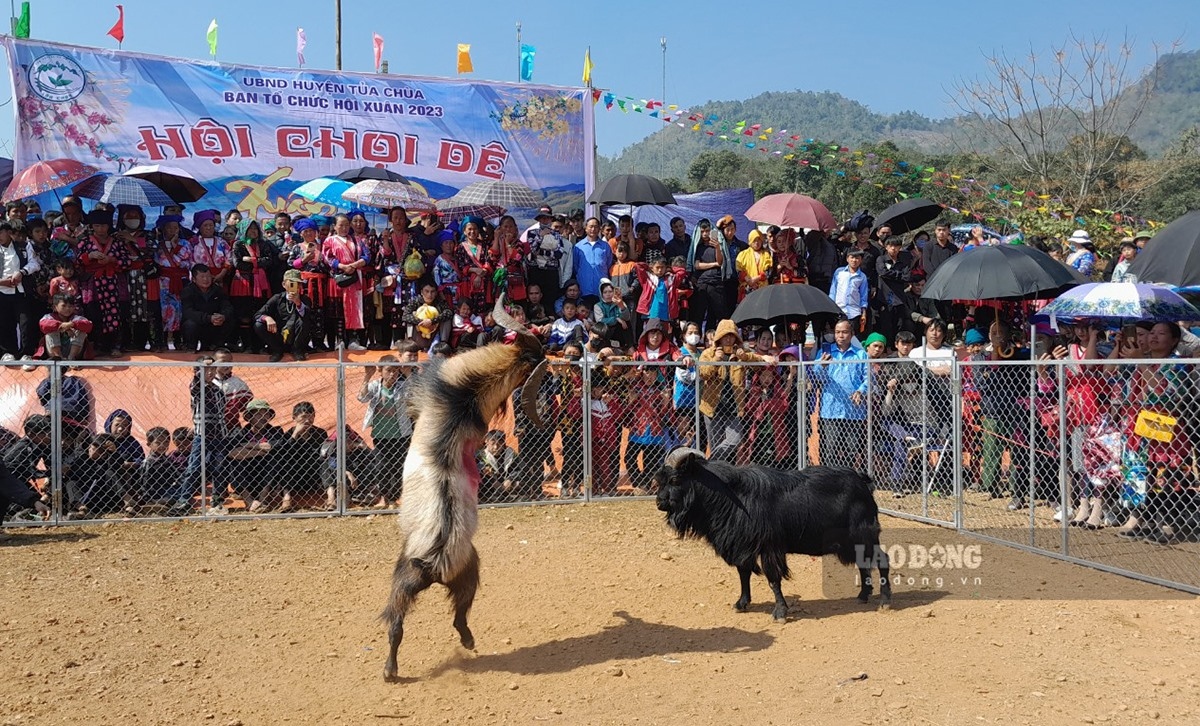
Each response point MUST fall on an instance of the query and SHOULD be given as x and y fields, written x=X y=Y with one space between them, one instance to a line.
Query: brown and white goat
x=452 y=401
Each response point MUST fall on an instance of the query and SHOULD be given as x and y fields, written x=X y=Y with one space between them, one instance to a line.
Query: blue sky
x=890 y=56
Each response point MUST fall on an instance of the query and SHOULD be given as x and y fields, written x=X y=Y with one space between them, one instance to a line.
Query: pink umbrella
x=44 y=176
x=791 y=210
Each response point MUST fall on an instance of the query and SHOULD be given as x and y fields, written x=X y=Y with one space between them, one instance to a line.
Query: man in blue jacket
x=843 y=415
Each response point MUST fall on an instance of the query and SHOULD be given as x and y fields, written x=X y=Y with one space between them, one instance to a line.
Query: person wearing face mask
x=684 y=399
x=140 y=331
x=104 y=259
x=722 y=395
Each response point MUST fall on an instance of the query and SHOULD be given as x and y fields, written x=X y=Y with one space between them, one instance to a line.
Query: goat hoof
x=468 y=641
x=864 y=596
x=741 y=605
x=780 y=616
x=389 y=675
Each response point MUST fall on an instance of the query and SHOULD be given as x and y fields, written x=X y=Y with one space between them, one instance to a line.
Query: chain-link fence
x=1092 y=461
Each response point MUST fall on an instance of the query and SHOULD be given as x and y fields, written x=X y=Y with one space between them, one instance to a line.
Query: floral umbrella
x=386 y=194
x=45 y=176
x=1119 y=302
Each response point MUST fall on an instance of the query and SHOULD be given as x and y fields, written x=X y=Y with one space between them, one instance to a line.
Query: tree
x=1061 y=121
x=1178 y=190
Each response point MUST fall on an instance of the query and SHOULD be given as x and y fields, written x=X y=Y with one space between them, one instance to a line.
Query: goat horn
x=506 y=321
x=675 y=457
x=529 y=394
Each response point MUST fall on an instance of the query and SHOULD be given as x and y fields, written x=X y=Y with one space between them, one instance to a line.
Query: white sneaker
x=356 y=347
x=28 y=367
x=170 y=345
x=1058 y=514
x=7 y=357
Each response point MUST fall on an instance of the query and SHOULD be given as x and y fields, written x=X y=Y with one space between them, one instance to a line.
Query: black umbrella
x=907 y=215
x=1000 y=272
x=632 y=189
x=1172 y=257
x=367 y=173
x=773 y=303
x=177 y=183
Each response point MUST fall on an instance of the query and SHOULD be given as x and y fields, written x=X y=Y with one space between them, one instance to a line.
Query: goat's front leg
x=744 y=601
x=781 y=606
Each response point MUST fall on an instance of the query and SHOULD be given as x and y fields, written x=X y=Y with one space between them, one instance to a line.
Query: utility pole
x=662 y=136
x=337 y=34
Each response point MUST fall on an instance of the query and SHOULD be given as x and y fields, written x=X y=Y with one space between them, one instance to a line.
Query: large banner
x=252 y=134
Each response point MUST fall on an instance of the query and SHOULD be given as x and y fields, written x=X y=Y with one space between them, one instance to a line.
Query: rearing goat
x=452 y=402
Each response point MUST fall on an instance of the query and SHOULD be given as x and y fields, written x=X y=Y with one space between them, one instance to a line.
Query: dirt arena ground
x=588 y=614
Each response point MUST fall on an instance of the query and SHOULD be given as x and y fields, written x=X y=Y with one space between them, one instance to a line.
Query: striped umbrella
x=45 y=176
x=450 y=211
x=115 y=189
x=509 y=195
x=386 y=194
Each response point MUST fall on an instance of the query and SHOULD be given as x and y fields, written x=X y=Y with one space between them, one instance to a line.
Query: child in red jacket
x=62 y=326
x=649 y=415
x=607 y=413
x=661 y=286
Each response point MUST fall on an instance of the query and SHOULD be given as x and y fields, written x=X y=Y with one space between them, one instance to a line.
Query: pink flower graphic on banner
x=79 y=123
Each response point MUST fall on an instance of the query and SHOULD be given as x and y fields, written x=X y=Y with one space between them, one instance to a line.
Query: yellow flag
x=587 y=67
x=464 y=58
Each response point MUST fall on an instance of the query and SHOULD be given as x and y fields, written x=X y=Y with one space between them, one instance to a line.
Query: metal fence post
x=1032 y=483
x=587 y=431
x=342 y=501
x=1065 y=471
x=870 y=404
x=57 y=495
x=926 y=485
x=801 y=414
x=956 y=449
x=697 y=435
x=200 y=369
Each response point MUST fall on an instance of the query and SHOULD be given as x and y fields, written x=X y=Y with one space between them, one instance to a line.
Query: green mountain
x=825 y=115
x=1174 y=108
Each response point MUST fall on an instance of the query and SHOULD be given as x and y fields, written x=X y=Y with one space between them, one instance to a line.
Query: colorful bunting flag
x=21 y=28
x=212 y=38
x=118 y=29
x=527 y=54
x=464 y=58
x=377 y=43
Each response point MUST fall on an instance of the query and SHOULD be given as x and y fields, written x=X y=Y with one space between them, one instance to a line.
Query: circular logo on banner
x=56 y=77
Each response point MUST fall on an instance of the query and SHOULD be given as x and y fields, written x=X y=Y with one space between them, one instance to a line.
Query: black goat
x=753 y=516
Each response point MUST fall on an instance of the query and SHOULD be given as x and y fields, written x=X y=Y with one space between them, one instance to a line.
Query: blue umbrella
x=115 y=189
x=324 y=190
x=1119 y=302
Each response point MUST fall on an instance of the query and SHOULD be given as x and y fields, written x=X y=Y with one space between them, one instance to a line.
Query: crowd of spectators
x=650 y=314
